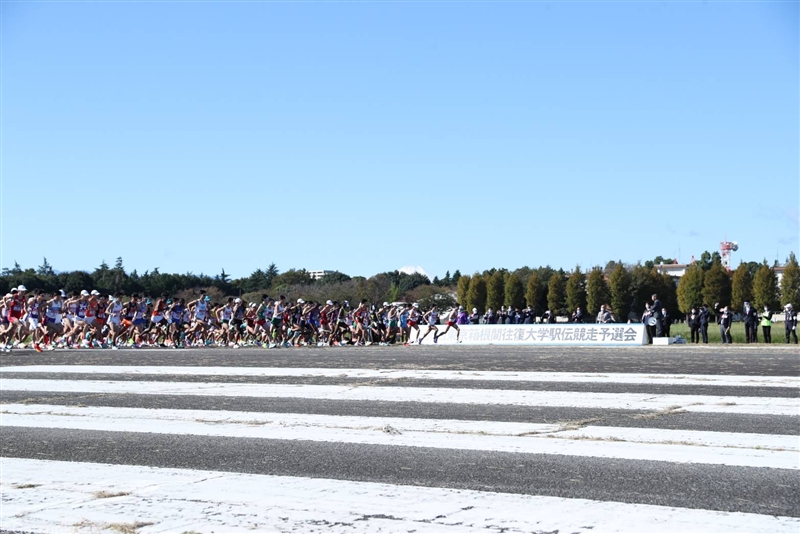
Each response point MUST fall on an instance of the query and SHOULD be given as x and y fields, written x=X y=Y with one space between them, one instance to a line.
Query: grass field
x=737 y=331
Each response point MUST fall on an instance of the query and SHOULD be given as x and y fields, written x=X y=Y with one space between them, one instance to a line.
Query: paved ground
x=728 y=488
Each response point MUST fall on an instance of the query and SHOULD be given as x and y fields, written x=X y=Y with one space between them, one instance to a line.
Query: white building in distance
x=316 y=275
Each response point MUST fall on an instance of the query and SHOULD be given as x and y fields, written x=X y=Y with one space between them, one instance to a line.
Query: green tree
x=790 y=283
x=690 y=288
x=515 y=293
x=447 y=281
x=292 y=277
x=765 y=288
x=555 y=294
x=741 y=287
x=476 y=295
x=456 y=277
x=495 y=290
x=597 y=291
x=619 y=286
x=576 y=290
x=462 y=288
x=333 y=278
x=533 y=291
x=45 y=269
x=717 y=285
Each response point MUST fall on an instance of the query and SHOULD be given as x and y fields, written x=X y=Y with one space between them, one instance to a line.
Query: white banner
x=540 y=334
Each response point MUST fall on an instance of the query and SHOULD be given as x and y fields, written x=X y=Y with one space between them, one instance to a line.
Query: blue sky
x=363 y=137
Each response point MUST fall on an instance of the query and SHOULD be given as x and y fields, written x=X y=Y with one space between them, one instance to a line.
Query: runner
x=451 y=323
x=432 y=317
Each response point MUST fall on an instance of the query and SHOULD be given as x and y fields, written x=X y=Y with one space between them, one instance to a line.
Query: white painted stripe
x=574 y=399
x=421 y=374
x=598 y=442
x=64 y=498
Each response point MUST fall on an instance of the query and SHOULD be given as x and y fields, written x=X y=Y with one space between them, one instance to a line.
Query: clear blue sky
x=363 y=137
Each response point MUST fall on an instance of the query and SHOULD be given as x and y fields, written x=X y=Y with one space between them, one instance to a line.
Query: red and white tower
x=726 y=247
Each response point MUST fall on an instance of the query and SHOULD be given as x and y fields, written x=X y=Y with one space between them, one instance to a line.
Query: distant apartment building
x=316 y=275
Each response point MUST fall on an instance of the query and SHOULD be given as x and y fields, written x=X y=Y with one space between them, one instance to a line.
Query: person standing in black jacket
x=665 y=320
x=703 y=318
x=790 y=323
x=725 y=319
x=750 y=322
x=658 y=314
x=693 y=320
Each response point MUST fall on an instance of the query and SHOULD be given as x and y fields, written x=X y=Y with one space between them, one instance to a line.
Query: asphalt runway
x=690 y=485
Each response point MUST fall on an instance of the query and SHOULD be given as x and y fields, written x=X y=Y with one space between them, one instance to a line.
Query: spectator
x=750 y=323
x=511 y=318
x=766 y=324
x=693 y=320
x=665 y=320
x=725 y=319
x=474 y=317
x=490 y=317
x=704 y=317
x=790 y=323
x=577 y=316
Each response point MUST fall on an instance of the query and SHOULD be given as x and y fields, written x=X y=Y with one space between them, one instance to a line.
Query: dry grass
x=25 y=486
x=128 y=528
x=109 y=494
x=670 y=410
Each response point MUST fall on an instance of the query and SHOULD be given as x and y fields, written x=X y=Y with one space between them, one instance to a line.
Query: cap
x=385 y=303
x=62 y=293
x=474 y=310
x=461 y=308
x=416 y=305
x=95 y=292
x=301 y=301
x=788 y=306
x=329 y=302
x=84 y=293
x=22 y=288
x=238 y=301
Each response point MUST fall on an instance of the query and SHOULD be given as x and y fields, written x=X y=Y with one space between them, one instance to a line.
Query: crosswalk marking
x=79 y=497
x=719 y=448
x=569 y=440
x=576 y=399
x=419 y=374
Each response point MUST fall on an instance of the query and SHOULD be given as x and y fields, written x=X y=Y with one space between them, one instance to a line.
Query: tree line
x=625 y=288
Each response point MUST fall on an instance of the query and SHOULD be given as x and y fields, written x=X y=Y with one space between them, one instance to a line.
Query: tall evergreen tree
x=717 y=286
x=456 y=276
x=576 y=290
x=45 y=269
x=619 y=285
x=790 y=283
x=476 y=296
x=690 y=288
x=597 y=292
x=462 y=288
x=515 y=293
x=556 y=301
x=495 y=290
x=741 y=287
x=765 y=288
x=533 y=291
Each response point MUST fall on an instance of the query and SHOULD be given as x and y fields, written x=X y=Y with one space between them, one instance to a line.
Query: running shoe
x=37 y=348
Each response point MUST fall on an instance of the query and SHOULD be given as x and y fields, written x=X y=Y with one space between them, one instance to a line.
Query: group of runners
x=89 y=319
